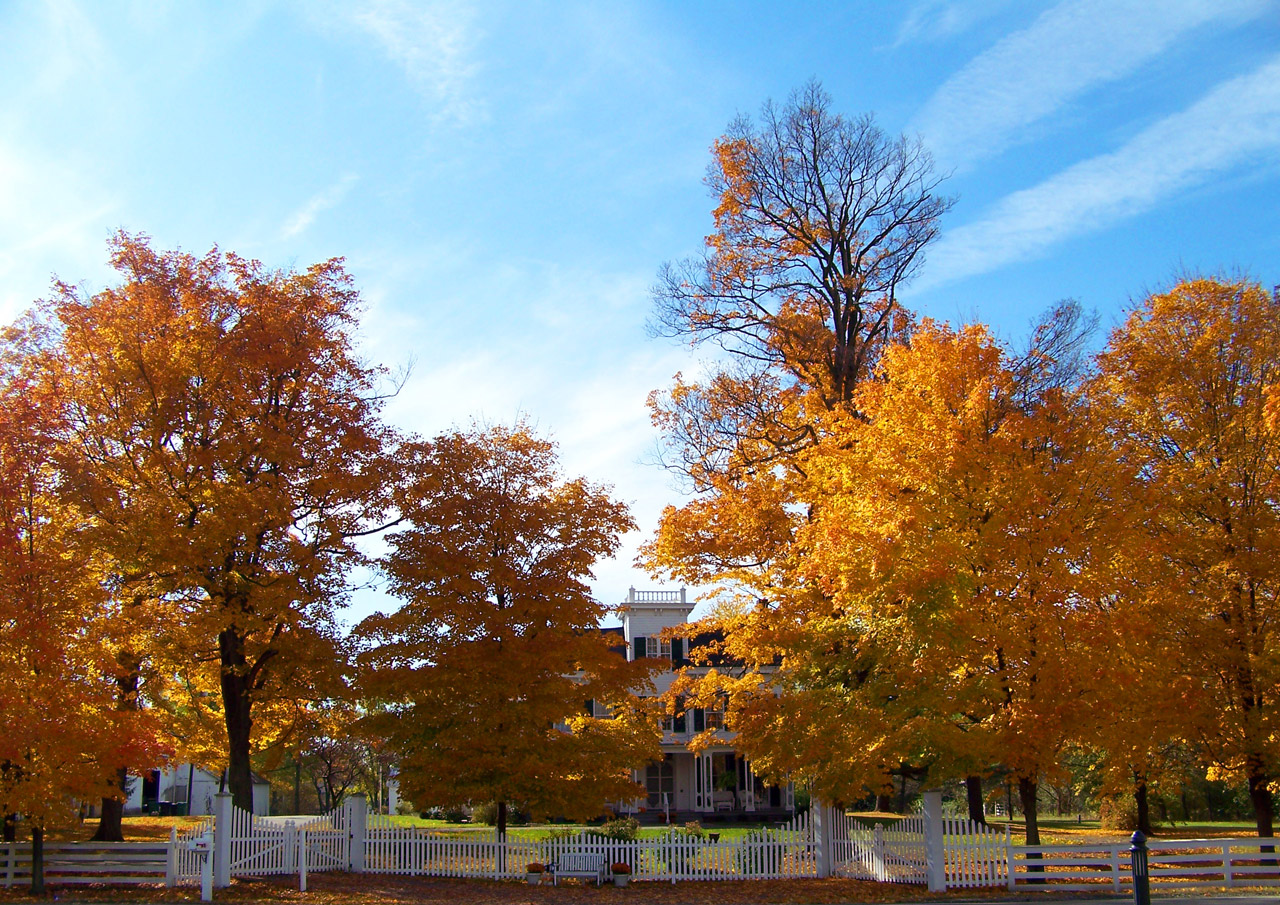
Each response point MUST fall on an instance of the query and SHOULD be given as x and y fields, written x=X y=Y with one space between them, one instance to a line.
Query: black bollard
x=1138 y=861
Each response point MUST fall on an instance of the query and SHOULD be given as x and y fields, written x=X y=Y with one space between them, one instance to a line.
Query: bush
x=487 y=813
x=620 y=828
x=453 y=815
x=1119 y=813
x=693 y=828
x=621 y=867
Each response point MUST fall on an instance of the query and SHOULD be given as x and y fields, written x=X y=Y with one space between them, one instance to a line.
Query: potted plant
x=621 y=873
x=533 y=872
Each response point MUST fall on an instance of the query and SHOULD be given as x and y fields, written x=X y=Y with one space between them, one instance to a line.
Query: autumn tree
x=819 y=223
x=222 y=440
x=481 y=675
x=1185 y=382
x=63 y=738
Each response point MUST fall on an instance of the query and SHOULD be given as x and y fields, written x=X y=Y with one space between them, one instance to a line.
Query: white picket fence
x=896 y=854
x=975 y=855
x=263 y=846
x=1182 y=864
x=187 y=861
x=775 y=853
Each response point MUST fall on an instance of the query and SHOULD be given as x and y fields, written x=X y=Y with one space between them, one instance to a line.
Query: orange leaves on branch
x=482 y=674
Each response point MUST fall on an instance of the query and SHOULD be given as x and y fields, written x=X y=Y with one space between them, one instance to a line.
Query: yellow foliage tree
x=1185 y=384
x=480 y=677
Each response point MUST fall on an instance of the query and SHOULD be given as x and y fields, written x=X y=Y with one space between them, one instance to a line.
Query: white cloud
x=937 y=20
x=1237 y=122
x=432 y=43
x=1071 y=48
x=302 y=218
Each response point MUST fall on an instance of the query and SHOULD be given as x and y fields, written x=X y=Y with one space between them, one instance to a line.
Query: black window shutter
x=639 y=648
x=590 y=707
x=681 y=724
x=699 y=720
x=677 y=652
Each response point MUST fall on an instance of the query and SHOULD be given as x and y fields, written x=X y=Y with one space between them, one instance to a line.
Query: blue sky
x=504 y=179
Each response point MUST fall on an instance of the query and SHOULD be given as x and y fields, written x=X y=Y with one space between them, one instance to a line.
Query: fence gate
x=896 y=854
x=262 y=846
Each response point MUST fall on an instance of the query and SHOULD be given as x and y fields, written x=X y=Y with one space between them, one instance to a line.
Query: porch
x=714 y=786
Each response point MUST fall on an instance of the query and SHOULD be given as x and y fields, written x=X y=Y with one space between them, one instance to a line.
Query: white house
x=683 y=784
x=185 y=788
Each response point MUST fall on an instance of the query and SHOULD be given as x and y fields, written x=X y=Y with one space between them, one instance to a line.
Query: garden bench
x=578 y=864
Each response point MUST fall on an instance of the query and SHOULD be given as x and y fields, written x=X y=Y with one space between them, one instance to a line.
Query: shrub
x=1119 y=813
x=693 y=828
x=620 y=828
x=534 y=867
x=487 y=813
x=621 y=867
x=453 y=815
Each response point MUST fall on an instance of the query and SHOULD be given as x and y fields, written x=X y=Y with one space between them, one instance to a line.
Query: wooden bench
x=578 y=864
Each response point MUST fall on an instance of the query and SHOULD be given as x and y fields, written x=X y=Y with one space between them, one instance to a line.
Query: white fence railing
x=1105 y=867
x=893 y=854
x=89 y=862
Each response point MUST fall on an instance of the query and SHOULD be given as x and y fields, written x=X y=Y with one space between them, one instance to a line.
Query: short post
x=206 y=875
x=302 y=858
x=935 y=852
x=1138 y=862
x=222 y=840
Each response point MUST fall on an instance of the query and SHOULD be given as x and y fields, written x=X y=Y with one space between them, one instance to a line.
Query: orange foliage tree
x=819 y=221
x=222 y=440
x=63 y=738
x=480 y=677
x=1185 y=383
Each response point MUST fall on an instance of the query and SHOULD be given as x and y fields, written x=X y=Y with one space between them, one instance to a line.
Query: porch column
x=749 y=780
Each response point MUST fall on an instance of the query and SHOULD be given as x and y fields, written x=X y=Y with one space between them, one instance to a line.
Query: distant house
x=185 y=789
x=684 y=785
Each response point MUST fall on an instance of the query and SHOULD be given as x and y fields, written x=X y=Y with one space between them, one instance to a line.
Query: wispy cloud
x=1073 y=47
x=302 y=218
x=1237 y=122
x=432 y=42
x=937 y=20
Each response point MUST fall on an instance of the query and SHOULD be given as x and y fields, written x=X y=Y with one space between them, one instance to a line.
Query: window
x=659 y=780
x=715 y=719
x=663 y=648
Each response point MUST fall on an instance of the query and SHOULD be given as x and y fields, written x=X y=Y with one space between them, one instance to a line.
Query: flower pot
x=533 y=879
x=621 y=880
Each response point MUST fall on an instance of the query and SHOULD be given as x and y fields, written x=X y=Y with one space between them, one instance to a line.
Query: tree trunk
x=10 y=831
x=237 y=705
x=37 y=860
x=902 y=794
x=502 y=836
x=1027 y=792
x=111 y=823
x=884 y=802
x=127 y=679
x=973 y=791
x=297 y=785
x=1260 y=795
x=1140 y=797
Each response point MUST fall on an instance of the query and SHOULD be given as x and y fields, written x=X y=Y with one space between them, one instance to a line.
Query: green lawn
x=541 y=831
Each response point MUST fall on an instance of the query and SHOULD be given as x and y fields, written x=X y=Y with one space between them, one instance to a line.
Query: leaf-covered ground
x=358 y=889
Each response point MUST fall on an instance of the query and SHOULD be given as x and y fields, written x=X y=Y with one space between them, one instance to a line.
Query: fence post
x=302 y=860
x=222 y=840
x=1138 y=862
x=171 y=859
x=357 y=808
x=935 y=853
x=820 y=820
